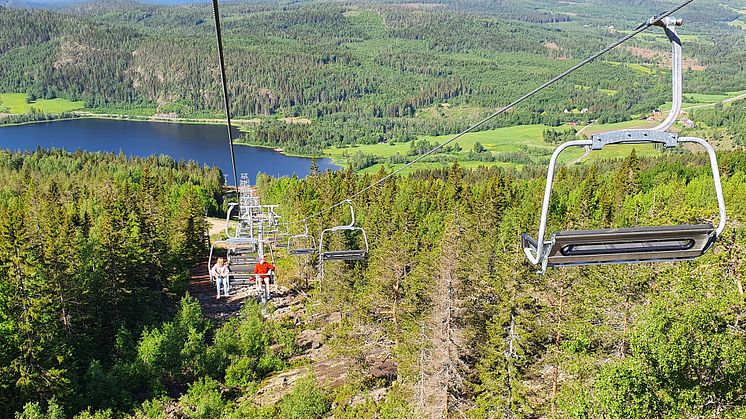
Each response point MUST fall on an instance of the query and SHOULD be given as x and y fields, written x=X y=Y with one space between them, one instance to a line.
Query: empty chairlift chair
x=278 y=241
x=301 y=244
x=637 y=244
x=344 y=254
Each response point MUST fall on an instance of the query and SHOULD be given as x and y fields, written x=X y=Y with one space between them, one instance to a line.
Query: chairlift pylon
x=637 y=244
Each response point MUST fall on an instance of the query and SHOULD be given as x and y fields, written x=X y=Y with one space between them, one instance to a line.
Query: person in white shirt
x=220 y=273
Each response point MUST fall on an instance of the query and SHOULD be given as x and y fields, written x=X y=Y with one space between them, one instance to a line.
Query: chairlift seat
x=248 y=268
x=627 y=245
x=245 y=260
x=638 y=244
x=343 y=254
x=350 y=255
x=300 y=252
x=301 y=244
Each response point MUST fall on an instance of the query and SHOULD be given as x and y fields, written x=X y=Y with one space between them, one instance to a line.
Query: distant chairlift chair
x=637 y=244
x=278 y=240
x=343 y=255
x=301 y=244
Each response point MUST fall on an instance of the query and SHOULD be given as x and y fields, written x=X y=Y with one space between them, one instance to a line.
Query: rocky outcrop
x=381 y=364
x=309 y=339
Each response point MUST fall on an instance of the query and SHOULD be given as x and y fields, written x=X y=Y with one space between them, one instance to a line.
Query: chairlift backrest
x=351 y=254
x=637 y=244
x=301 y=244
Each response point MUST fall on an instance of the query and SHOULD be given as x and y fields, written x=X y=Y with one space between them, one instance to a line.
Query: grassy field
x=421 y=166
x=501 y=140
x=636 y=123
x=637 y=67
x=15 y=103
x=694 y=100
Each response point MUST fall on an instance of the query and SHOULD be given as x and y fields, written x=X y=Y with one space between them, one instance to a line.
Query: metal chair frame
x=343 y=255
x=295 y=250
x=537 y=251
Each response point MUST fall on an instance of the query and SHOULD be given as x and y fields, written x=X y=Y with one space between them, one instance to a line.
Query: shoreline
x=142 y=118
x=184 y=121
x=285 y=153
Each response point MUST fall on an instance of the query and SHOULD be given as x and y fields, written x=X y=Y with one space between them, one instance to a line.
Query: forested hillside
x=362 y=73
x=95 y=250
x=448 y=294
x=445 y=317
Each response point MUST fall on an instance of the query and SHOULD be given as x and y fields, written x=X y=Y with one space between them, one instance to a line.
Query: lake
x=207 y=144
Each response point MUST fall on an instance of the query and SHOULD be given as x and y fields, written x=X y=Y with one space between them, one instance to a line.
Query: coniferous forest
x=96 y=322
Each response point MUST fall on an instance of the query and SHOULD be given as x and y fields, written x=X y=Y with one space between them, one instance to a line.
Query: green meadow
x=699 y=100
x=432 y=165
x=502 y=140
x=15 y=103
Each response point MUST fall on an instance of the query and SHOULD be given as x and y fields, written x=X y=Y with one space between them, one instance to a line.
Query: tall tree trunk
x=557 y=346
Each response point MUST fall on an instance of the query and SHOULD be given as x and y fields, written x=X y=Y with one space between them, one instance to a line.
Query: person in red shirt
x=264 y=271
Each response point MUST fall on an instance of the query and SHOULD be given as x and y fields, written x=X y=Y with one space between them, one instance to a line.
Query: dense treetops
x=447 y=290
x=95 y=249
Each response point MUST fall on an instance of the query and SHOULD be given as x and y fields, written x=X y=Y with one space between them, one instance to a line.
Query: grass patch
x=703 y=100
x=447 y=111
x=596 y=128
x=15 y=103
x=500 y=140
x=633 y=66
x=641 y=68
x=430 y=165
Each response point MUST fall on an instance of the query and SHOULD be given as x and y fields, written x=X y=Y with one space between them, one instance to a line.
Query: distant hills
x=60 y=4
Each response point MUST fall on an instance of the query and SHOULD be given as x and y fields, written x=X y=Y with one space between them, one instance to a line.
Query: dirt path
x=580 y=132
x=733 y=99
x=201 y=288
x=215 y=225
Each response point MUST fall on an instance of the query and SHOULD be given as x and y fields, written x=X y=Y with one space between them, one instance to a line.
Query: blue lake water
x=207 y=144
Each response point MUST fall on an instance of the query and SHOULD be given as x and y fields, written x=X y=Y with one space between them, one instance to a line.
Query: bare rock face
x=329 y=373
x=288 y=305
x=381 y=364
x=332 y=373
x=332 y=318
x=376 y=396
x=309 y=339
x=276 y=387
